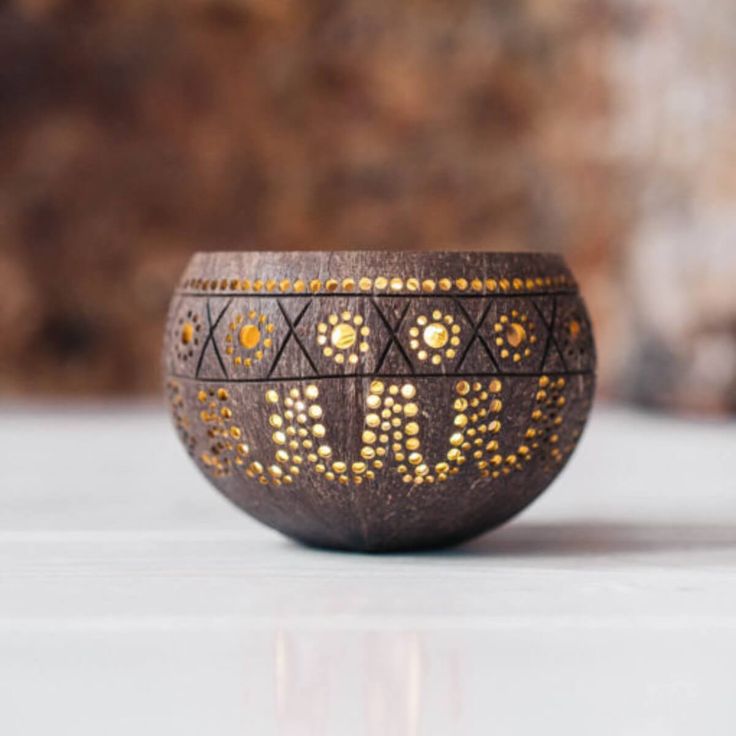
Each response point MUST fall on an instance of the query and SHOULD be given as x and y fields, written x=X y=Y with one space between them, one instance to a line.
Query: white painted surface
x=134 y=600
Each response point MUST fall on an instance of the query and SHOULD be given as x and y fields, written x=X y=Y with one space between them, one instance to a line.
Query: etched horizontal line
x=407 y=376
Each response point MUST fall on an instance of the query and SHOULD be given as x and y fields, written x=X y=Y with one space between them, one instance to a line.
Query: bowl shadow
x=594 y=538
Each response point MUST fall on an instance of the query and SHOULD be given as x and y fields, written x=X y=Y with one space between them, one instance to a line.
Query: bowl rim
x=382 y=251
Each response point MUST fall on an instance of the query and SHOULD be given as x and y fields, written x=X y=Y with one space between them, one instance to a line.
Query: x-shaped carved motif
x=551 y=339
x=211 y=327
x=393 y=337
x=475 y=334
x=291 y=332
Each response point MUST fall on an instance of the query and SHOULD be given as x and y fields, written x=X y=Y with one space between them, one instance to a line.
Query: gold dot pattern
x=514 y=336
x=298 y=432
x=227 y=448
x=391 y=435
x=478 y=409
x=187 y=336
x=573 y=336
x=435 y=337
x=249 y=338
x=343 y=337
x=393 y=423
x=382 y=284
x=547 y=418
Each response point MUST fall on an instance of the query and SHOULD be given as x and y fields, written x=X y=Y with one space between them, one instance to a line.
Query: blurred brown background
x=133 y=133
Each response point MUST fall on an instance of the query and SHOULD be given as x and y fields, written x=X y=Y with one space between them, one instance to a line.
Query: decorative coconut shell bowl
x=379 y=401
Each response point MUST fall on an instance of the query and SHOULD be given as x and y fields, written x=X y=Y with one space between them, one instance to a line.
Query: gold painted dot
x=412 y=284
x=408 y=391
x=318 y=430
x=461 y=284
x=324 y=451
x=445 y=284
x=377 y=387
x=272 y=397
x=187 y=333
x=373 y=401
x=495 y=386
x=462 y=387
x=275 y=421
x=381 y=282
x=411 y=409
x=435 y=335
x=311 y=392
x=515 y=334
x=396 y=284
x=222 y=394
x=365 y=284
x=343 y=336
x=412 y=428
x=428 y=285
x=249 y=336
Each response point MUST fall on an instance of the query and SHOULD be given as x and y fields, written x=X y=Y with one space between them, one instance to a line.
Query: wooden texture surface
x=133 y=599
x=379 y=401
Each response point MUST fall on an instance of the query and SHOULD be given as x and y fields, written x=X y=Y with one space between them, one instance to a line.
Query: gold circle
x=249 y=336
x=311 y=392
x=435 y=335
x=462 y=387
x=343 y=336
x=515 y=334
x=187 y=333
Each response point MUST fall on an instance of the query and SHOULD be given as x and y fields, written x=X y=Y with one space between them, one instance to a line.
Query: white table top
x=135 y=600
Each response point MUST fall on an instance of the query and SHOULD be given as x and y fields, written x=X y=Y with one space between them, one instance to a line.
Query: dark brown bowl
x=379 y=401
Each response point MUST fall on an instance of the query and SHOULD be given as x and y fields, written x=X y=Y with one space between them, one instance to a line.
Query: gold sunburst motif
x=343 y=337
x=514 y=335
x=435 y=337
x=187 y=335
x=248 y=338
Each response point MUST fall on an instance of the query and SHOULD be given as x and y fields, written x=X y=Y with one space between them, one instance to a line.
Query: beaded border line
x=381 y=284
